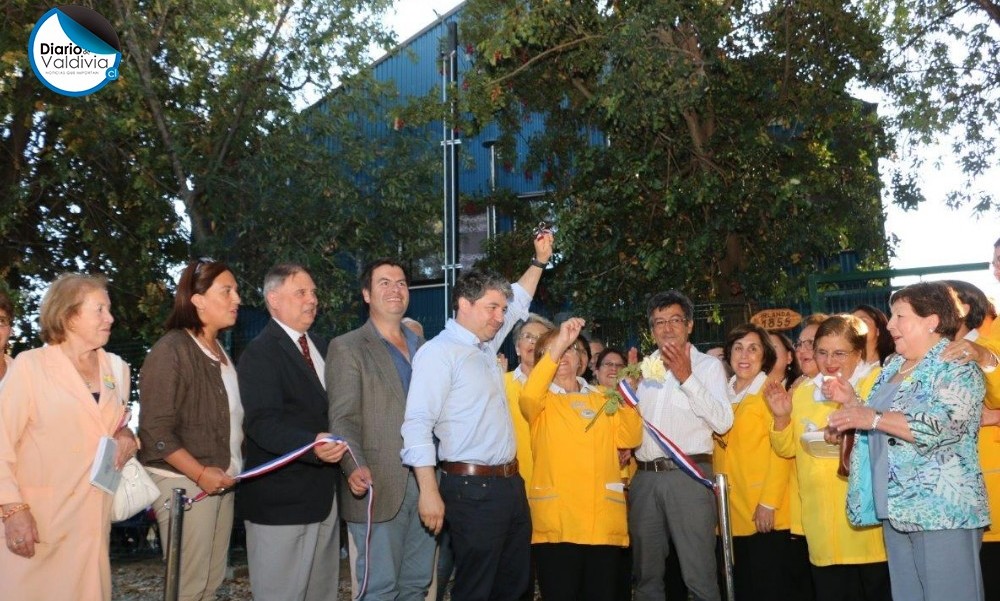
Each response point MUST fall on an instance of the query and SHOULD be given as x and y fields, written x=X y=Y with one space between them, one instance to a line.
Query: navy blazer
x=285 y=407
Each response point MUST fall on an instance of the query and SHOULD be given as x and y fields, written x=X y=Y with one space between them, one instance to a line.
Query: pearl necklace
x=903 y=372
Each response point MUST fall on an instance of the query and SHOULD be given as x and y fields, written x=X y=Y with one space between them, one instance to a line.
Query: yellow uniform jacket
x=822 y=493
x=757 y=475
x=989 y=442
x=522 y=434
x=576 y=493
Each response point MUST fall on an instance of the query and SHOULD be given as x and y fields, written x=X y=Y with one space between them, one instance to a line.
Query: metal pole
x=455 y=142
x=491 y=211
x=173 y=578
x=450 y=145
x=445 y=213
x=726 y=532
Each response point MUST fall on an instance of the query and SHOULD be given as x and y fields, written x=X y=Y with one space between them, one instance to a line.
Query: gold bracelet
x=9 y=512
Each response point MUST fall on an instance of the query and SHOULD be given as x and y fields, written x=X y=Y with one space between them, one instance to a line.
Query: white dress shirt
x=687 y=414
x=319 y=364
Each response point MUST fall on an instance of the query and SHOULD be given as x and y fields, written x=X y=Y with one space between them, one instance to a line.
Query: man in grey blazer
x=368 y=375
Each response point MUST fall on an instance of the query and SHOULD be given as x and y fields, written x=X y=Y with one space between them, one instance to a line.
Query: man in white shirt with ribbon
x=683 y=394
x=457 y=396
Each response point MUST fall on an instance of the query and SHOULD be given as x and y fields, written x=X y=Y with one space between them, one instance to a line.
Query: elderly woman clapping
x=847 y=562
x=915 y=468
x=56 y=404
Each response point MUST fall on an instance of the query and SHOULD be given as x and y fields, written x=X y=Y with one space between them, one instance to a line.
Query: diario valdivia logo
x=74 y=51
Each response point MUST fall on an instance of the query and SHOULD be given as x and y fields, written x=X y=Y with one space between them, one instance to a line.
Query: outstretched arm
x=543 y=252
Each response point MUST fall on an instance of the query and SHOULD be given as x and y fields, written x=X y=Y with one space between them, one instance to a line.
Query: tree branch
x=222 y=149
x=992 y=10
x=538 y=57
x=199 y=231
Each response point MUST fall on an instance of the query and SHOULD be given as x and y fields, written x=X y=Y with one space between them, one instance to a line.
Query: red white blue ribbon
x=276 y=463
x=674 y=453
x=291 y=456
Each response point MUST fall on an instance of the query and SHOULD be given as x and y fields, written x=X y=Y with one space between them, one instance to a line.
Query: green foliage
x=198 y=149
x=733 y=156
x=943 y=77
x=346 y=197
x=76 y=198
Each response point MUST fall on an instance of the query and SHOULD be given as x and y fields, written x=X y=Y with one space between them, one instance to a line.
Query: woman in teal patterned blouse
x=915 y=465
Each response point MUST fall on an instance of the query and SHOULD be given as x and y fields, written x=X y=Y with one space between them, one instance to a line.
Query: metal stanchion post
x=726 y=532
x=173 y=578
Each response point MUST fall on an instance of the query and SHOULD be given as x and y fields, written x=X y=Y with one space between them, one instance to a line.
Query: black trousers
x=761 y=564
x=853 y=582
x=490 y=529
x=571 y=572
x=989 y=560
x=799 y=569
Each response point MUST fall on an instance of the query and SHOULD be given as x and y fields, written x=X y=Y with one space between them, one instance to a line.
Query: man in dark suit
x=368 y=376
x=293 y=532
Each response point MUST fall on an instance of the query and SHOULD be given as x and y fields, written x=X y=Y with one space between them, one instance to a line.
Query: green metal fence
x=841 y=292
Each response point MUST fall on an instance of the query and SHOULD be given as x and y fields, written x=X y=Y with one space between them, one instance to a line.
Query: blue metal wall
x=415 y=68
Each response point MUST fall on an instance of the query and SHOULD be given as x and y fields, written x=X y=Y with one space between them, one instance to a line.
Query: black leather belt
x=460 y=468
x=662 y=464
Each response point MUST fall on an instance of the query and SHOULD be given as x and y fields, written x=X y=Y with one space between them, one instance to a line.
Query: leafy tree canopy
x=943 y=78
x=199 y=148
x=730 y=157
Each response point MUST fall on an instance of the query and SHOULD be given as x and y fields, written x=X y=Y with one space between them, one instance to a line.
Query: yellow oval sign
x=776 y=319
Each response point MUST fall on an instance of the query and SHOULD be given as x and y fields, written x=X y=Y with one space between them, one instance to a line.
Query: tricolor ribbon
x=279 y=462
x=674 y=453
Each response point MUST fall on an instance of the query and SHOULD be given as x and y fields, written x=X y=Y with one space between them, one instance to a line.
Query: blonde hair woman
x=847 y=562
x=56 y=404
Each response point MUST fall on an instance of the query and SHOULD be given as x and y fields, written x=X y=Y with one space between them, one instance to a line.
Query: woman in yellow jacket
x=576 y=495
x=525 y=337
x=973 y=342
x=758 y=477
x=848 y=563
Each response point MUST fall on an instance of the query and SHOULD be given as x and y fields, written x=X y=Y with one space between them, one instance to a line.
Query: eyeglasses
x=838 y=355
x=804 y=344
x=613 y=364
x=673 y=322
x=529 y=337
x=202 y=261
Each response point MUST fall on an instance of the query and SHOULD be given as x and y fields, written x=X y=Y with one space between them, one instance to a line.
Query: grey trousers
x=672 y=505
x=298 y=562
x=934 y=565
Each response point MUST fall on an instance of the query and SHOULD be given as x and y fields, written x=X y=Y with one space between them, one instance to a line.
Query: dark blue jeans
x=490 y=529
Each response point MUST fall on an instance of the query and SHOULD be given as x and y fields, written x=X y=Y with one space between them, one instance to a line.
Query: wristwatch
x=536 y=263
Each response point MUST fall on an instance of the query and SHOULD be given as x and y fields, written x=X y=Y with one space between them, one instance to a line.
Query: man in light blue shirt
x=457 y=396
